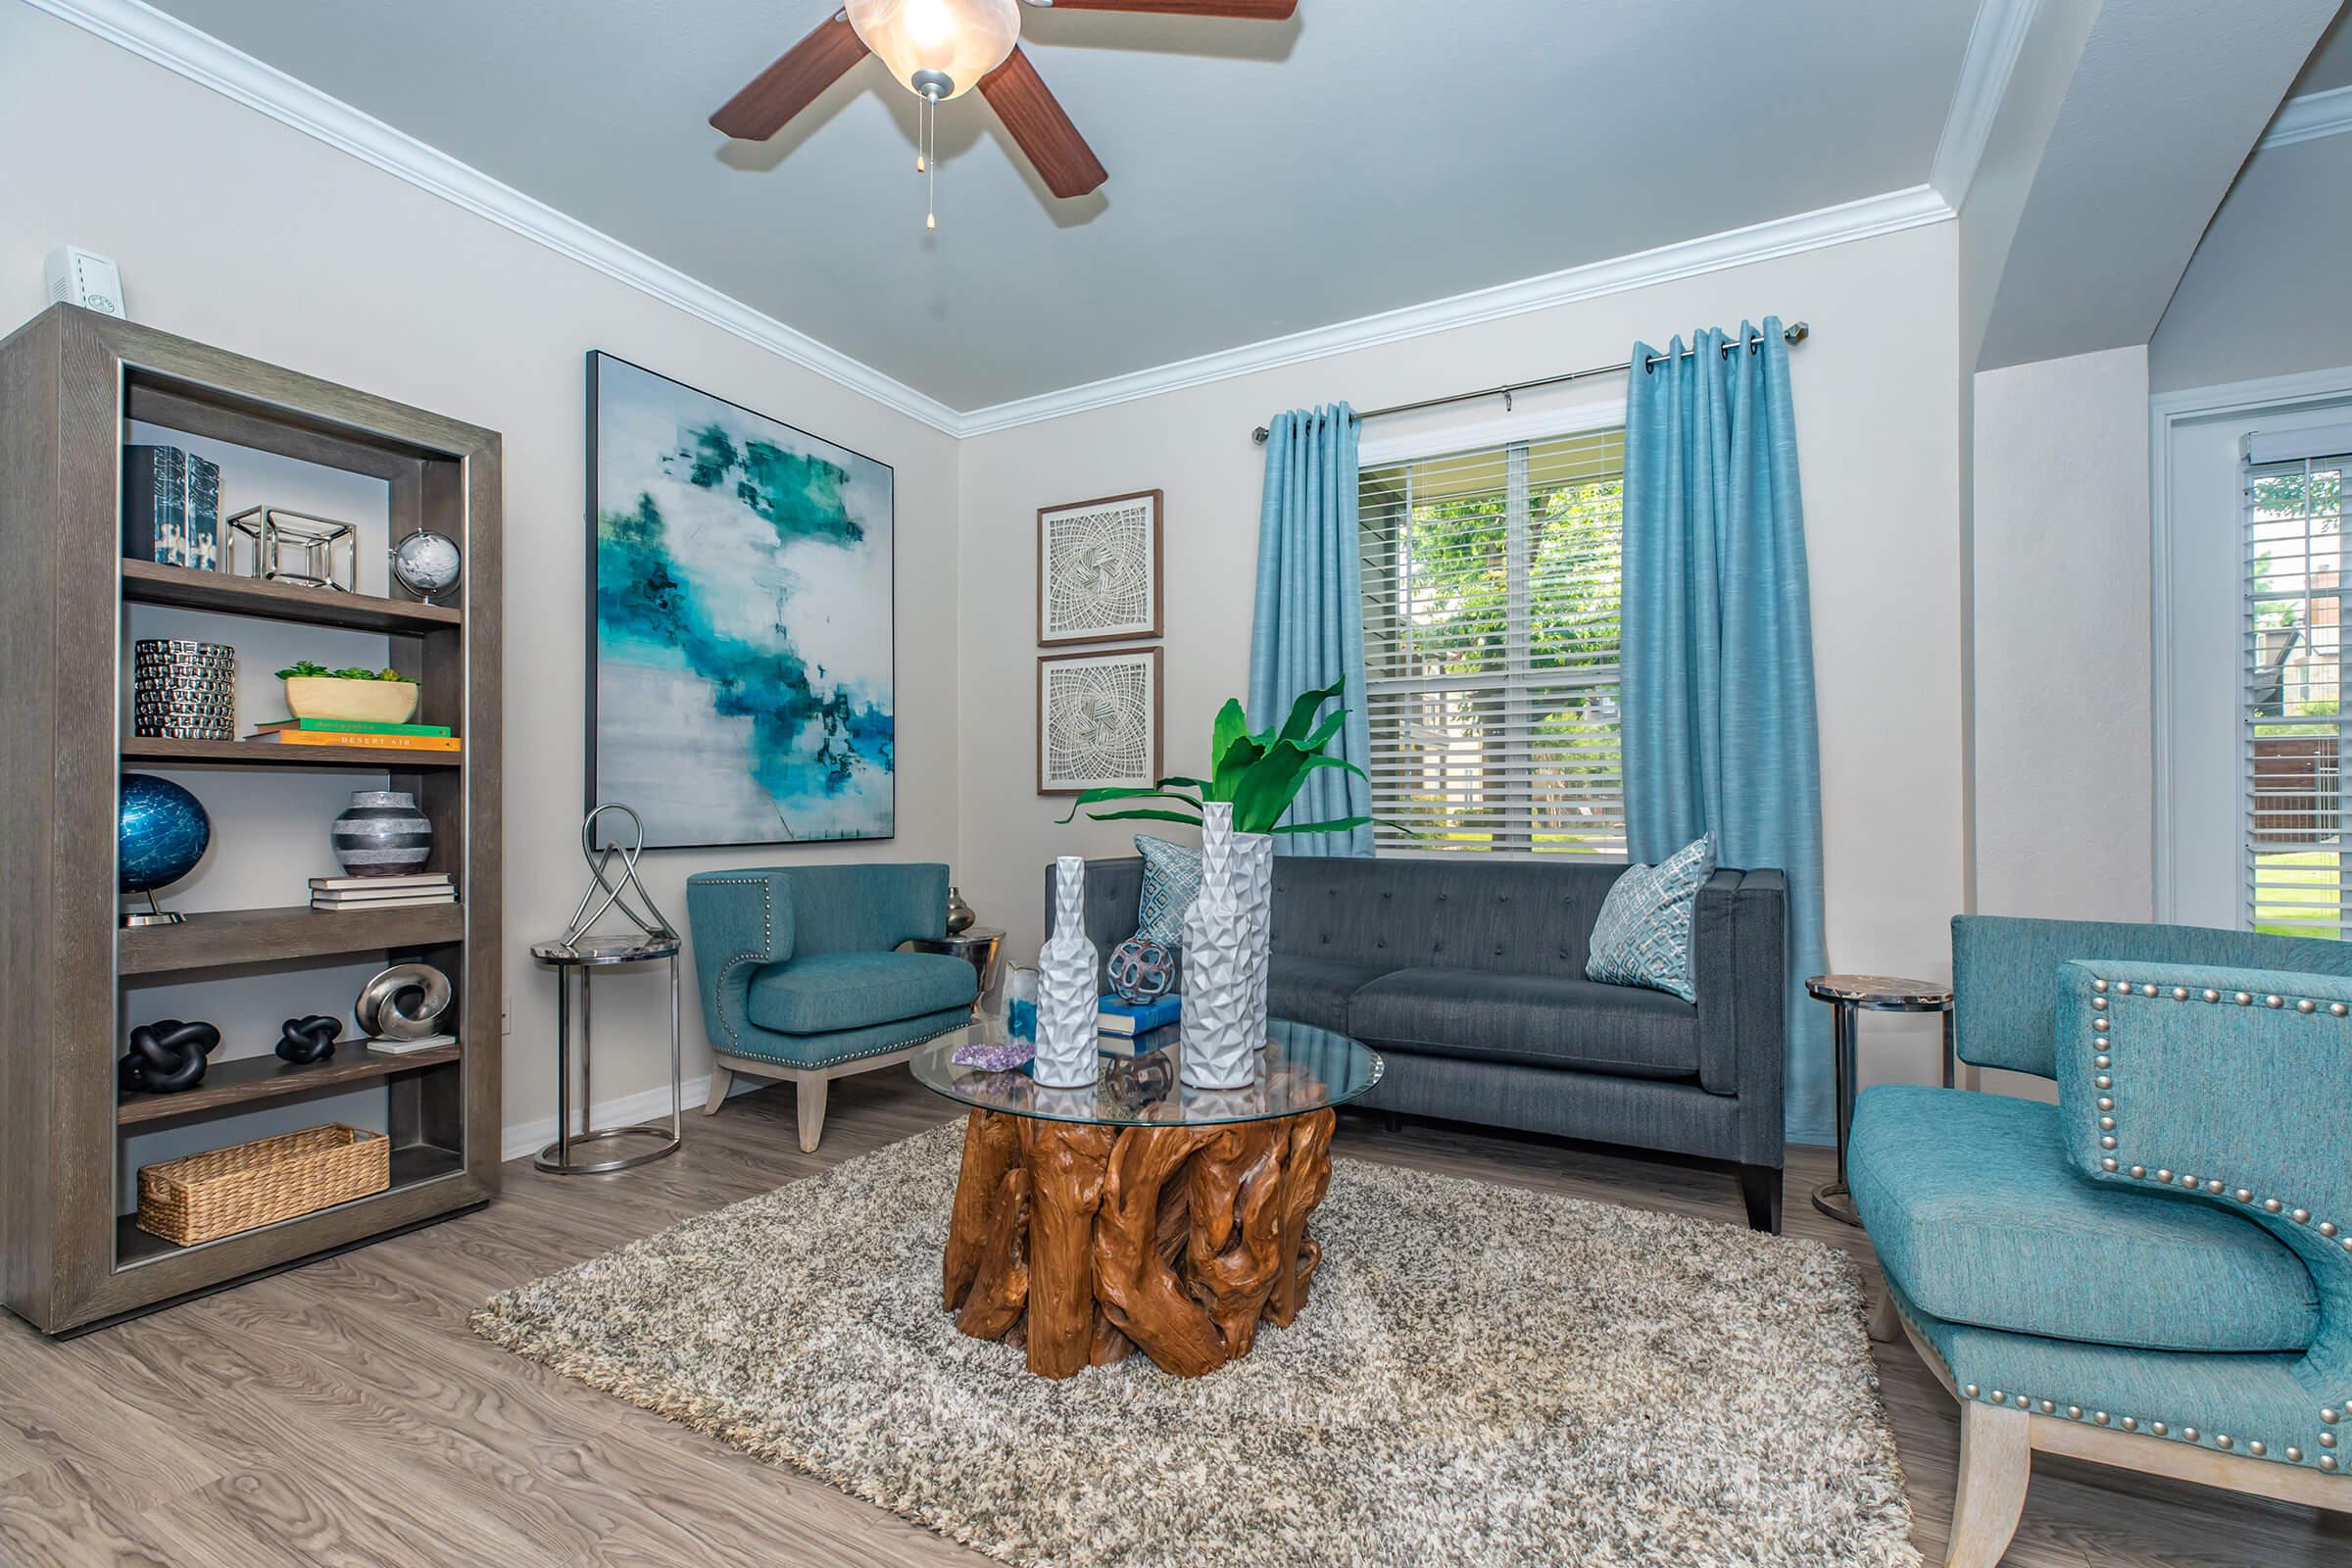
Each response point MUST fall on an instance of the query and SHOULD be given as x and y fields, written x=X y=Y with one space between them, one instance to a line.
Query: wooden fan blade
x=1029 y=109
x=1242 y=10
x=792 y=84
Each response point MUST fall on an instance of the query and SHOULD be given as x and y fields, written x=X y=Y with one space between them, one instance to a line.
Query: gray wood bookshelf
x=71 y=382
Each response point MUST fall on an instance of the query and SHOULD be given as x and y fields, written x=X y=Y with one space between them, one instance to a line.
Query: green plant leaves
x=1258 y=776
x=1097 y=797
x=1231 y=725
x=1303 y=710
x=307 y=669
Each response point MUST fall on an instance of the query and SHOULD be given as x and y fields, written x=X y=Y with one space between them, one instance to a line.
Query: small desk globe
x=427 y=563
x=161 y=831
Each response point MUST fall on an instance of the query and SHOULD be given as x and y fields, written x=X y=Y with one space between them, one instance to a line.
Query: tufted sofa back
x=1475 y=912
x=1472 y=912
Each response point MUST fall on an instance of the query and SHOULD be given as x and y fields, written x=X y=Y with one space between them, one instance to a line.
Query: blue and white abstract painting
x=743 y=686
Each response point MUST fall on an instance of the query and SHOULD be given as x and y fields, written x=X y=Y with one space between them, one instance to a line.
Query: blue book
x=154 y=505
x=204 y=514
x=1115 y=1017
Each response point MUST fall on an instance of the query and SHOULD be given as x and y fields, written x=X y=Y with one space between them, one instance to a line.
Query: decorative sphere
x=426 y=562
x=1142 y=970
x=159 y=833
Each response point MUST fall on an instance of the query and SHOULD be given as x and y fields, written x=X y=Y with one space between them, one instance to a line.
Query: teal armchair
x=800 y=978
x=2156 y=1272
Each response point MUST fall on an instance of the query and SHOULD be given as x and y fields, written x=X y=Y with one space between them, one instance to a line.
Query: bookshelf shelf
x=412 y=1166
x=245 y=1083
x=146 y=583
x=229 y=937
x=75 y=388
x=162 y=752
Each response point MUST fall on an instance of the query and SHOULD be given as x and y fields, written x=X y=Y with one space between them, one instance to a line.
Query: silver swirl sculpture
x=402 y=1003
x=644 y=914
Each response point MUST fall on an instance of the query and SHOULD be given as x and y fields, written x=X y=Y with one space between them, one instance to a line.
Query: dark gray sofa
x=1468 y=975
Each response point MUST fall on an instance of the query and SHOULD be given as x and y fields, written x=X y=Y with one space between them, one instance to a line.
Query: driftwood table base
x=1096 y=1242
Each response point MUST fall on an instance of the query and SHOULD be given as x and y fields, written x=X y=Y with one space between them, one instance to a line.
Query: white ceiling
x=1265 y=179
x=2330 y=63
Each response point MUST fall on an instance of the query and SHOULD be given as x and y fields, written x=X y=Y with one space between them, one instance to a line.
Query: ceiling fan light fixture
x=938 y=49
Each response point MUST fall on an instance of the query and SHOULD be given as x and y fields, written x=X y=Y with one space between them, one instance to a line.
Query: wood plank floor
x=342 y=1413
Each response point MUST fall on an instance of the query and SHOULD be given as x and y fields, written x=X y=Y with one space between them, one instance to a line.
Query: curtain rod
x=1793 y=336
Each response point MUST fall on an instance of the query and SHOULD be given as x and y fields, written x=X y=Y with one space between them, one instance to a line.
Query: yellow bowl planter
x=369 y=701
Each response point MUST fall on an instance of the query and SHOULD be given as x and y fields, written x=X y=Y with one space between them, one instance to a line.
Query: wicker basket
x=202 y=1198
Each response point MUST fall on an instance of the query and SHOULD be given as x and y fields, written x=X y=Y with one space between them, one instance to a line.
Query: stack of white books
x=381 y=892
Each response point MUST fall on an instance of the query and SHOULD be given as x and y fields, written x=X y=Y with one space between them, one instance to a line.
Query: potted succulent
x=1251 y=782
x=353 y=695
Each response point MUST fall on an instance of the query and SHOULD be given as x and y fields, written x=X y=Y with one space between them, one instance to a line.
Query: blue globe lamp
x=161 y=832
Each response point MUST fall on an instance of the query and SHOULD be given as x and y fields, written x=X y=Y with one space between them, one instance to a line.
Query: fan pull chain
x=931 y=161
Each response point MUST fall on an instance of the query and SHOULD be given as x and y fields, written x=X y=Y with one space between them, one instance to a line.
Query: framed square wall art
x=742 y=676
x=1097 y=570
x=1098 y=720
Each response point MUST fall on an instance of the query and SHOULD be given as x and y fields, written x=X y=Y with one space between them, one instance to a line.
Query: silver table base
x=1849 y=997
x=558 y=1156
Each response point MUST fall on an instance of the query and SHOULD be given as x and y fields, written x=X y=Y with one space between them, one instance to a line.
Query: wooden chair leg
x=722 y=1078
x=1885 y=1324
x=1997 y=1460
x=809 y=1099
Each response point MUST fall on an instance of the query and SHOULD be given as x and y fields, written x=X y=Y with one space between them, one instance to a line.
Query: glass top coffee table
x=1140 y=1213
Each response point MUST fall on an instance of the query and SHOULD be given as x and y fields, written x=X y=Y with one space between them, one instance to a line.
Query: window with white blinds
x=1492 y=586
x=2297 y=882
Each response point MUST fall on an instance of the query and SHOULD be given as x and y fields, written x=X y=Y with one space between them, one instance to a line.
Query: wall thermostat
x=77 y=276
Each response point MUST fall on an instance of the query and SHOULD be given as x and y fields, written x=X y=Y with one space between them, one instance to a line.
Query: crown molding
x=2309 y=118
x=210 y=63
x=206 y=61
x=1994 y=41
x=1739 y=247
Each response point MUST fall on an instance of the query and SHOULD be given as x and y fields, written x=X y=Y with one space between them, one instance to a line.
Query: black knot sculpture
x=307 y=1040
x=167 y=1056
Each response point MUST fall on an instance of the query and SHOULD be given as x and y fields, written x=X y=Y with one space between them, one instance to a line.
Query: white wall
x=237 y=230
x=2059 y=707
x=2062 y=707
x=1877 y=412
x=2264 y=294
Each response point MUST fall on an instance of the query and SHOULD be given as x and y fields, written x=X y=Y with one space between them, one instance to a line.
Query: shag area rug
x=1482 y=1376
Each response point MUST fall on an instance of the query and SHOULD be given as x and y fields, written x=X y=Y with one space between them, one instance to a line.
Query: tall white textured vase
x=1220 y=1049
x=1253 y=890
x=1067 y=1000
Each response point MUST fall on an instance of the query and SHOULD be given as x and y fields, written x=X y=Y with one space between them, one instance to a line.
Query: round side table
x=1849 y=995
x=976 y=945
x=583 y=959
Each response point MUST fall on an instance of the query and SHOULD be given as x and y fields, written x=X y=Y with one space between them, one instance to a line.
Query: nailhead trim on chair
x=2103 y=1040
x=767 y=944
x=852 y=1056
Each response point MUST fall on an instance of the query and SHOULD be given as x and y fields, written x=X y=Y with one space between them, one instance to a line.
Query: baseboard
x=521 y=1139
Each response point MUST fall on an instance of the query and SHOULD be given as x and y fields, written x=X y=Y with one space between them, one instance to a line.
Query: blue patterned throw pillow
x=1642 y=937
x=1171 y=882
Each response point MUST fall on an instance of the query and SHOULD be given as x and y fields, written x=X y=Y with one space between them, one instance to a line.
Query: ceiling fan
x=942 y=49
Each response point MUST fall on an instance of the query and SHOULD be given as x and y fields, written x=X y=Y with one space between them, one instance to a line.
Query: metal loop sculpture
x=403 y=1001
x=648 y=920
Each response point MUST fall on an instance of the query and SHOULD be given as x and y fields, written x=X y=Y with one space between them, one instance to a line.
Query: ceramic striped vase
x=381 y=833
x=1066 y=1000
x=1219 y=1050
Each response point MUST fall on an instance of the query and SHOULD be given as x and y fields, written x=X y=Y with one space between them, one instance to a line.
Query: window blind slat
x=2291 y=727
x=1491 y=593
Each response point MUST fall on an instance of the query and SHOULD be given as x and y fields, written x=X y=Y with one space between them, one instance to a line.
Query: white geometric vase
x=1254 y=884
x=1219 y=1048
x=1067 y=1000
